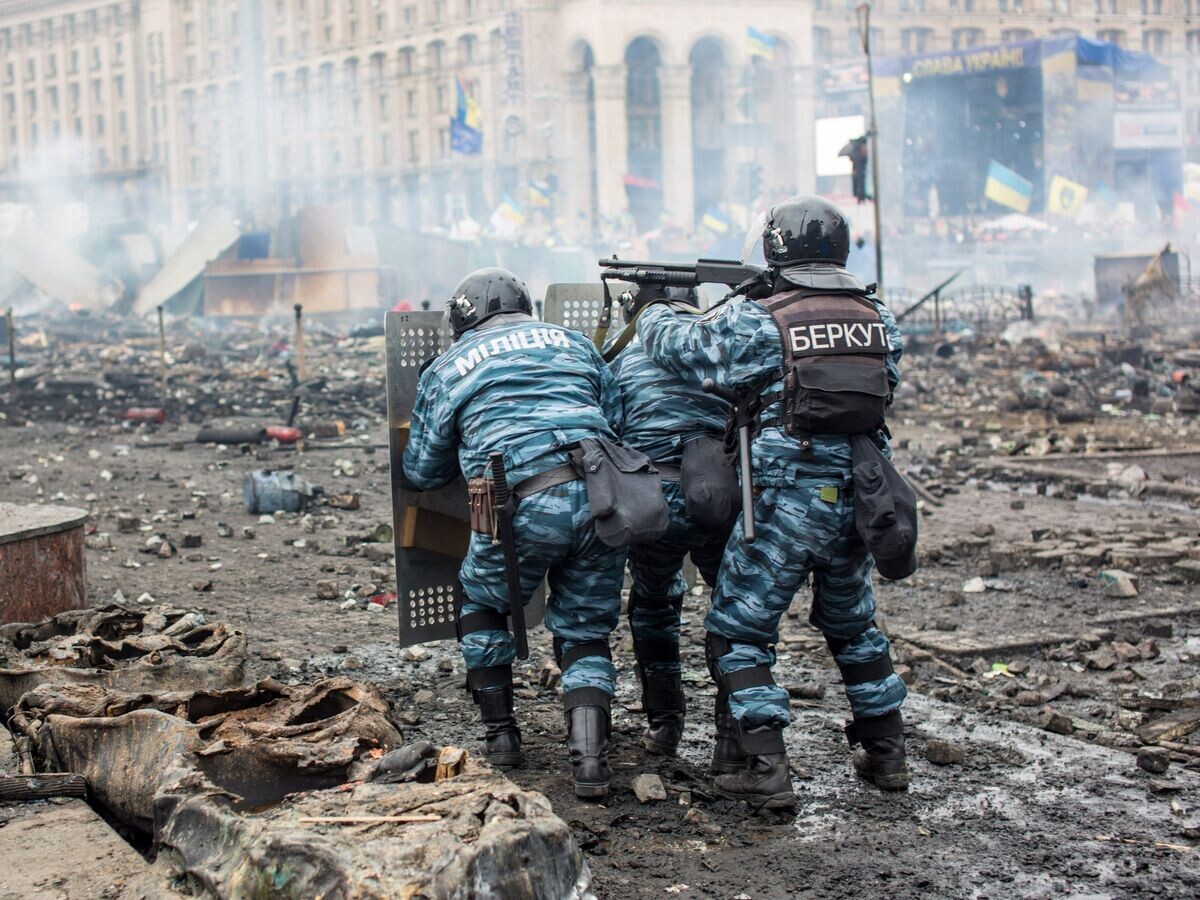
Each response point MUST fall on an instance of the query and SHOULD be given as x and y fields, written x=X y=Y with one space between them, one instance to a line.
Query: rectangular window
x=100 y=125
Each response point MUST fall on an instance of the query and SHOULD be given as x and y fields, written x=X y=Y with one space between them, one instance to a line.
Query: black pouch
x=885 y=510
x=840 y=398
x=624 y=493
x=709 y=481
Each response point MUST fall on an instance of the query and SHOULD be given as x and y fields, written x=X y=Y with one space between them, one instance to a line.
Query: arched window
x=966 y=37
x=466 y=49
x=1155 y=40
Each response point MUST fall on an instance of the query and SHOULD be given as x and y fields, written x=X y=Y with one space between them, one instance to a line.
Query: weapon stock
x=743 y=412
x=504 y=508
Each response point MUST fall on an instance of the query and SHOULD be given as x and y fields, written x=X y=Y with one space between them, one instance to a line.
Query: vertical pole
x=12 y=348
x=299 y=342
x=162 y=355
x=864 y=32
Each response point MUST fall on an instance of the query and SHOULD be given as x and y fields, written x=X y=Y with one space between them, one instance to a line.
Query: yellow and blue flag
x=466 y=125
x=540 y=195
x=509 y=212
x=1006 y=187
x=759 y=44
x=714 y=220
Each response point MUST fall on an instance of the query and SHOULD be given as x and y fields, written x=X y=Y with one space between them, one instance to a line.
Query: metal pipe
x=864 y=33
x=12 y=348
x=162 y=354
x=300 y=371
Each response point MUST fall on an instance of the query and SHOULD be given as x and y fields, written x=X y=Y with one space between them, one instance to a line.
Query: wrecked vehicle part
x=251 y=745
x=155 y=649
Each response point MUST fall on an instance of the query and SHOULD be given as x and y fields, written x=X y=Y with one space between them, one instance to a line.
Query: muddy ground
x=1026 y=813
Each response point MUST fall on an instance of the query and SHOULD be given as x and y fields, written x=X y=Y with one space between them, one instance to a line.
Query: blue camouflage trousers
x=800 y=533
x=554 y=537
x=656 y=598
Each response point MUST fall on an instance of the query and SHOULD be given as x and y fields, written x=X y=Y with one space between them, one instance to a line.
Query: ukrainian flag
x=759 y=44
x=509 y=212
x=1006 y=187
x=714 y=221
x=466 y=125
x=539 y=195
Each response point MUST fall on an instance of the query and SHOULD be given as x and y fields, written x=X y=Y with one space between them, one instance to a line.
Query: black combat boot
x=665 y=705
x=501 y=734
x=881 y=757
x=588 y=727
x=727 y=756
x=765 y=782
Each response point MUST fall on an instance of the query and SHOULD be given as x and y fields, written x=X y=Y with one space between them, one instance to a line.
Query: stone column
x=576 y=155
x=800 y=92
x=612 y=150
x=675 y=84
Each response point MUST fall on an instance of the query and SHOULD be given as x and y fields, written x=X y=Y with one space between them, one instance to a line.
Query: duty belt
x=543 y=481
x=668 y=471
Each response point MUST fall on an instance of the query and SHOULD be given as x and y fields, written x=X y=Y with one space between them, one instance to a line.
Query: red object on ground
x=283 y=434
x=383 y=599
x=145 y=414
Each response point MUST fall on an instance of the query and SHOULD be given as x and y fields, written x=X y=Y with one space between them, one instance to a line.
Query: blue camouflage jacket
x=739 y=346
x=662 y=410
x=514 y=385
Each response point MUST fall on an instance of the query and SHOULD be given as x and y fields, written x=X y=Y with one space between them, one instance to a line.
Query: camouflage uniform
x=662 y=413
x=526 y=389
x=804 y=517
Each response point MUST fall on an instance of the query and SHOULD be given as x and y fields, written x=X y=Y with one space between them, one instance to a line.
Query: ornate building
x=655 y=109
x=662 y=110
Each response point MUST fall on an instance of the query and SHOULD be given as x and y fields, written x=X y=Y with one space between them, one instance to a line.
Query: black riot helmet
x=486 y=293
x=806 y=230
x=681 y=297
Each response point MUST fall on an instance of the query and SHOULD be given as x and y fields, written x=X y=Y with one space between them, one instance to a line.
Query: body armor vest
x=835 y=348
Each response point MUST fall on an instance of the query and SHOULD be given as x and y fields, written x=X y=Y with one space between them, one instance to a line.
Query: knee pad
x=564 y=659
x=716 y=646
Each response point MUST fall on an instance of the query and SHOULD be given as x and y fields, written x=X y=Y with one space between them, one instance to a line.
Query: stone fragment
x=1053 y=721
x=1154 y=760
x=1188 y=568
x=1029 y=698
x=974 y=586
x=984 y=529
x=327 y=590
x=190 y=541
x=944 y=753
x=1118 y=583
x=648 y=787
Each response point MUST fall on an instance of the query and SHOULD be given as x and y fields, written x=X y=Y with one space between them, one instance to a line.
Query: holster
x=481 y=497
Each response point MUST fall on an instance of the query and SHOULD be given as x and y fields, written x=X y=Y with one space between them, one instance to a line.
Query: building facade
x=592 y=112
x=1167 y=29
x=614 y=110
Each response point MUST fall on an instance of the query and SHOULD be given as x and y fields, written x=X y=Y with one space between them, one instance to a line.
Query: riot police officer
x=821 y=353
x=515 y=386
x=662 y=416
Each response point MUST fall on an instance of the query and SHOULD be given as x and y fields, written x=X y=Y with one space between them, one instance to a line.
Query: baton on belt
x=744 y=411
x=505 y=507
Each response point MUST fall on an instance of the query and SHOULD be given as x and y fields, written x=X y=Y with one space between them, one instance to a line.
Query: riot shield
x=431 y=528
x=576 y=306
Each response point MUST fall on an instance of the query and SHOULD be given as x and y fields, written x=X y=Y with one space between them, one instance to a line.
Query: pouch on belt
x=624 y=493
x=885 y=510
x=709 y=480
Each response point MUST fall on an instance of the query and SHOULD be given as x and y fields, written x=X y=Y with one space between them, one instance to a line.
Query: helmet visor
x=752 y=251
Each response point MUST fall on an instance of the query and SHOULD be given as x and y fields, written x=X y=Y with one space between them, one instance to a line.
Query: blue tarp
x=1126 y=64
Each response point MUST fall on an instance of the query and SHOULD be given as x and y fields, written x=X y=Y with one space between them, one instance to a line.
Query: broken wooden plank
x=21 y=788
x=1171 y=726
